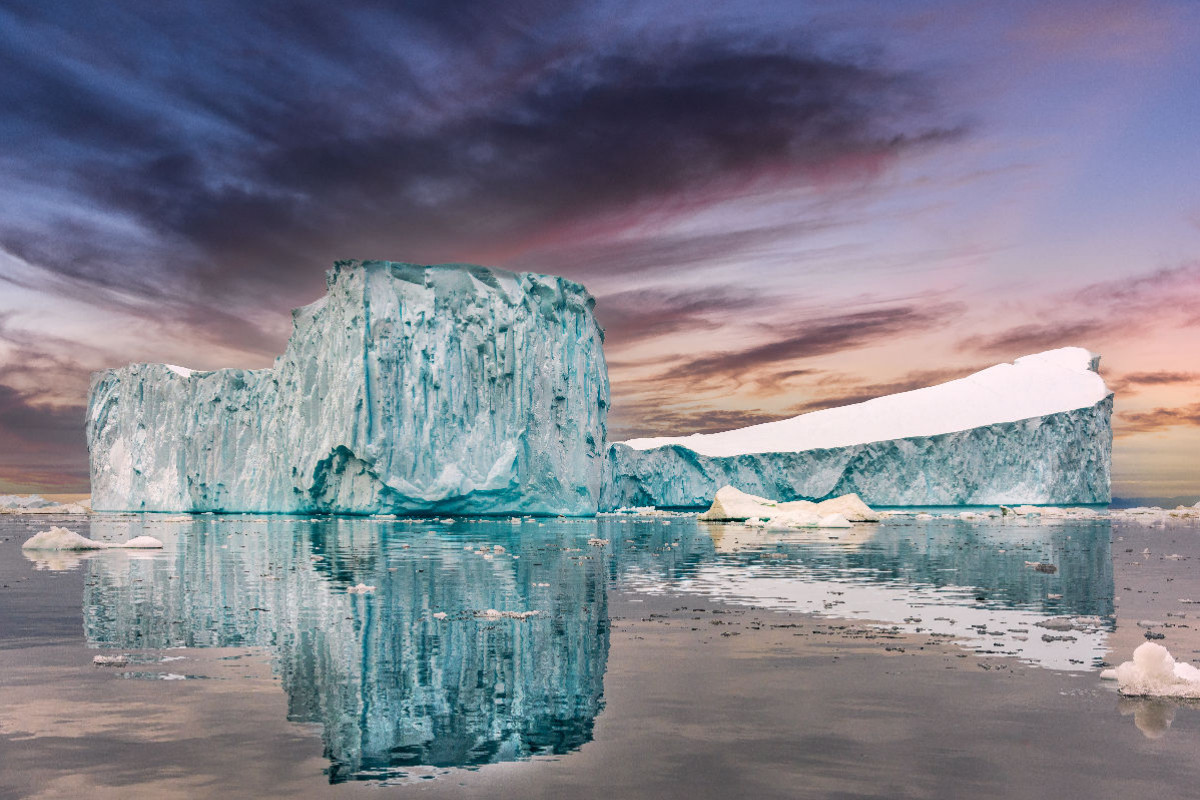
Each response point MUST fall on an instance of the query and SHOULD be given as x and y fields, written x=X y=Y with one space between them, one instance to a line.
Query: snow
x=1154 y=672
x=62 y=539
x=732 y=504
x=1032 y=386
x=449 y=389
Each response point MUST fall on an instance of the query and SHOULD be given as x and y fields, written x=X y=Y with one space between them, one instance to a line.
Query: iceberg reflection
x=392 y=685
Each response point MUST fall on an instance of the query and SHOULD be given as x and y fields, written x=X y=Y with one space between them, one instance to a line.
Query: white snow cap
x=178 y=370
x=1032 y=386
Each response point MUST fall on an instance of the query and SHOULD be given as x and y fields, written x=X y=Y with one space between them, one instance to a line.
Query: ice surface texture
x=1062 y=455
x=453 y=388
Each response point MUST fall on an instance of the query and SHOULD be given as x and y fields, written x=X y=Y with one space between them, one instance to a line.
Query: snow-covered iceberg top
x=1032 y=386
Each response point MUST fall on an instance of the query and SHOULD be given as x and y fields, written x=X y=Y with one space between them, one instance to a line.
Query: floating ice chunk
x=849 y=506
x=110 y=661
x=142 y=543
x=1154 y=672
x=62 y=539
x=492 y=613
x=361 y=588
x=731 y=503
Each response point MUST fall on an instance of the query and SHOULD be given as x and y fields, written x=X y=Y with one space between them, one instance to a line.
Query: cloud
x=1130 y=422
x=819 y=336
x=1131 y=382
x=1032 y=338
x=1119 y=308
x=635 y=315
x=41 y=445
x=277 y=149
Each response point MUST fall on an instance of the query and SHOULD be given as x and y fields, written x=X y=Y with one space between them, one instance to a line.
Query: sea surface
x=619 y=657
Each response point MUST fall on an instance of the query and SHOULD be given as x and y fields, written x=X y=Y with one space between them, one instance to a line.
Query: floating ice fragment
x=1154 y=672
x=361 y=588
x=731 y=503
x=492 y=613
x=62 y=539
x=110 y=661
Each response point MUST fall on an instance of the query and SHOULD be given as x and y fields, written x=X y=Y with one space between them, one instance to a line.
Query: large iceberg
x=451 y=388
x=1034 y=431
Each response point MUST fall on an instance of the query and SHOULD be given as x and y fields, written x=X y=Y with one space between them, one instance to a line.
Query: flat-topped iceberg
x=452 y=388
x=1034 y=431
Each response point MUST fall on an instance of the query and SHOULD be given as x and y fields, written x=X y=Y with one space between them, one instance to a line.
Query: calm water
x=665 y=658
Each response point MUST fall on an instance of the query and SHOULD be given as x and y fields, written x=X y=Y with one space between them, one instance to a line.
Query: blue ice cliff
x=448 y=389
x=1034 y=431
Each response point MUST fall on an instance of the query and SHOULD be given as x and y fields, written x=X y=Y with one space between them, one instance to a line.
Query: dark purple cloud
x=244 y=148
x=810 y=338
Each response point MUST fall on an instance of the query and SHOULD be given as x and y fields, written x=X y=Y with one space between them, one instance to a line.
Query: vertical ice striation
x=452 y=388
x=1034 y=431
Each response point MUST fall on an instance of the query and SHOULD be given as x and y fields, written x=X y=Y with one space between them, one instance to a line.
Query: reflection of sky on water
x=968 y=582
x=394 y=687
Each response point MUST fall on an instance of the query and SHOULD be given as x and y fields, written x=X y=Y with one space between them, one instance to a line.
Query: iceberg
x=454 y=389
x=1036 y=431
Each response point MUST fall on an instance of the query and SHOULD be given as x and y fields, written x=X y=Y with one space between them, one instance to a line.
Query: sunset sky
x=780 y=206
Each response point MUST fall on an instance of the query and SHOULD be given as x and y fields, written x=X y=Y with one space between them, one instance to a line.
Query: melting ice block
x=453 y=389
x=1034 y=431
x=1154 y=672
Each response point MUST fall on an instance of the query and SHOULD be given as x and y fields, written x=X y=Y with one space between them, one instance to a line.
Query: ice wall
x=452 y=389
x=1036 y=431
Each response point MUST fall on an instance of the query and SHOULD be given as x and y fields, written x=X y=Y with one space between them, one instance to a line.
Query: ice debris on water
x=732 y=504
x=62 y=539
x=492 y=613
x=1154 y=672
x=361 y=588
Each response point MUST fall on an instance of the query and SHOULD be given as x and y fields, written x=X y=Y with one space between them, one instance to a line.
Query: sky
x=779 y=206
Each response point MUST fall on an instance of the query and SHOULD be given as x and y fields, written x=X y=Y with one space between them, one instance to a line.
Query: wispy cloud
x=1130 y=422
x=1131 y=382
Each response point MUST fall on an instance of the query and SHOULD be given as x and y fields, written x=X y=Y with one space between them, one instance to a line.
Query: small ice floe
x=439 y=615
x=594 y=542
x=731 y=504
x=1154 y=672
x=361 y=588
x=110 y=661
x=1041 y=566
x=492 y=613
x=62 y=539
